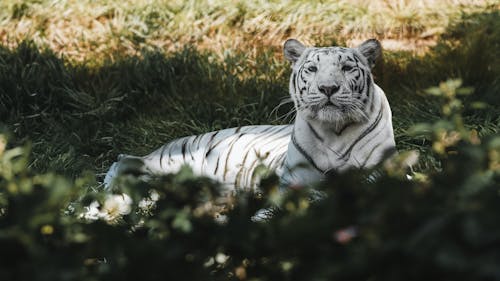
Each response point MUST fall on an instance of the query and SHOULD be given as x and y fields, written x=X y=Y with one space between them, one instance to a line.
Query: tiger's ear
x=371 y=50
x=293 y=49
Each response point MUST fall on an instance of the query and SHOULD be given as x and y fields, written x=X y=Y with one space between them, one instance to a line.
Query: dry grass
x=86 y=30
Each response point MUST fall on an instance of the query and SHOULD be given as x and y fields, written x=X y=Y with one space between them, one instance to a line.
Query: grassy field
x=85 y=80
x=87 y=30
x=82 y=81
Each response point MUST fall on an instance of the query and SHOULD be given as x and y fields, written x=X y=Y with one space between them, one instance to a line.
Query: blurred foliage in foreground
x=442 y=225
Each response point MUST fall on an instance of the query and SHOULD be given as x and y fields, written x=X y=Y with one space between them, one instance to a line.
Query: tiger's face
x=332 y=85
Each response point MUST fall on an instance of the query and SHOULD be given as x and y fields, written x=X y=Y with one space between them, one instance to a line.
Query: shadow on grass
x=91 y=112
x=79 y=117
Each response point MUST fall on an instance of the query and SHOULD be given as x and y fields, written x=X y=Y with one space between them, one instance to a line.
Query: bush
x=442 y=225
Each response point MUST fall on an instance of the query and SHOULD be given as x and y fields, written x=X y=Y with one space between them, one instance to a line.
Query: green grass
x=82 y=81
x=131 y=106
x=79 y=116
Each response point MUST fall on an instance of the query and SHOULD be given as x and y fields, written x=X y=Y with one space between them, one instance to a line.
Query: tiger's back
x=229 y=156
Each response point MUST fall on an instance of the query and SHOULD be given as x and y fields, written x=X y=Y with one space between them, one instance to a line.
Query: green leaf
x=182 y=222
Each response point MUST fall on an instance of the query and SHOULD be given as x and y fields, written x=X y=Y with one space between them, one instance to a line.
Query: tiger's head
x=332 y=85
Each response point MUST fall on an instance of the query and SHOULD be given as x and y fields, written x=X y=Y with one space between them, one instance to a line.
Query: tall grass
x=130 y=97
x=131 y=105
x=87 y=30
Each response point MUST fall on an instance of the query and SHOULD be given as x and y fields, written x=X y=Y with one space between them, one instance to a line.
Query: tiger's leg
x=126 y=164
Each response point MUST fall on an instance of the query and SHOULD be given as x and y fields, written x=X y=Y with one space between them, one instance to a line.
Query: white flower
x=149 y=202
x=91 y=212
x=116 y=205
x=221 y=258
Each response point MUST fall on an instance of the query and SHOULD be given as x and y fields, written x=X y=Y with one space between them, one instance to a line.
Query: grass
x=83 y=81
x=104 y=30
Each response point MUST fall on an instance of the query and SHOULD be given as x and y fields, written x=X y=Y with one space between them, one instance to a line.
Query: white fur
x=355 y=131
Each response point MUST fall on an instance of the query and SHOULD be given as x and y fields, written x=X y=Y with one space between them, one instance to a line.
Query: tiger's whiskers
x=284 y=101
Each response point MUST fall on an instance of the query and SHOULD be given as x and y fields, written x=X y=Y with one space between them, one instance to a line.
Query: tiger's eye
x=312 y=68
x=346 y=68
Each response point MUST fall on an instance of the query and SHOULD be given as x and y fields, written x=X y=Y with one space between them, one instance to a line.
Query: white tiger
x=343 y=120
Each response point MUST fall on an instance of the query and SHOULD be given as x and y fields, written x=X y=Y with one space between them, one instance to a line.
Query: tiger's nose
x=329 y=90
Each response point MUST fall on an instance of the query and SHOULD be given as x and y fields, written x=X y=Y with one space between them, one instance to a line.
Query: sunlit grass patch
x=101 y=30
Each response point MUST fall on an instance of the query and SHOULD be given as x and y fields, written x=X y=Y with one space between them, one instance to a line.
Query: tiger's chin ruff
x=339 y=117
